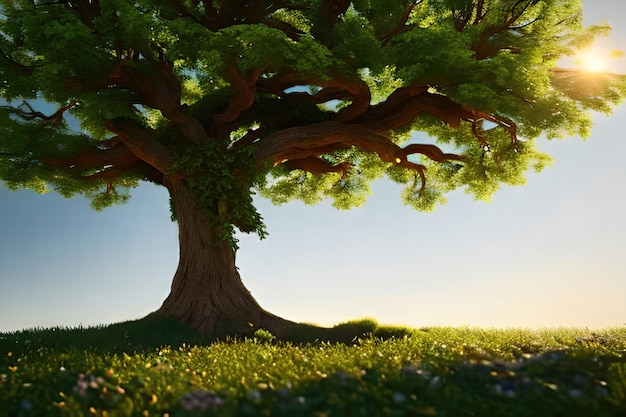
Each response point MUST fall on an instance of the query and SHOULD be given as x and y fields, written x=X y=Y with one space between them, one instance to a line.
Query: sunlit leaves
x=491 y=60
x=347 y=189
x=382 y=83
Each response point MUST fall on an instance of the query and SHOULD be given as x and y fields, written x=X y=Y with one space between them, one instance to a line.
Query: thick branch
x=155 y=86
x=404 y=105
x=141 y=142
x=336 y=87
x=316 y=165
x=392 y=104
x=314 y=140
x=358 y=90
x=395 y=112
x=433 y=152
x=301 y=144
x=98 y=163
x=245 y=92
x=290 y=31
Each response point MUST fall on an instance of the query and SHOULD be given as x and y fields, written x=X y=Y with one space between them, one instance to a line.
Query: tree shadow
x=148 y=334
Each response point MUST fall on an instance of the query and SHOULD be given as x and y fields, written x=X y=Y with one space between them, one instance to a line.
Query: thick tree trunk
x=207 y=293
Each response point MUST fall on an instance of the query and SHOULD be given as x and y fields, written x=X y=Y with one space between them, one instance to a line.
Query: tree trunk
x=207 y=293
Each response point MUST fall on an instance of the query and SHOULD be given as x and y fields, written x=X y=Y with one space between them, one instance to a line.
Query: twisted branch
x=142 y=143
x=55 y=119
x=245 y=92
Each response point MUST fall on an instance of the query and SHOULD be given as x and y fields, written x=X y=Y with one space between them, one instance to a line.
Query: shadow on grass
x=129 y=336
x=150 y=333
x=348 y=332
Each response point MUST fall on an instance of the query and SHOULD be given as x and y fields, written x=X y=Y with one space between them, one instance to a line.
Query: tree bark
x=207 y=293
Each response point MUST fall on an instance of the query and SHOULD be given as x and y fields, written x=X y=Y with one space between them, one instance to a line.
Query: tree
x=293 y=99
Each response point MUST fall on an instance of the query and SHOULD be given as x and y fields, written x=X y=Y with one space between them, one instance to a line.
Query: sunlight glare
x=591 y=61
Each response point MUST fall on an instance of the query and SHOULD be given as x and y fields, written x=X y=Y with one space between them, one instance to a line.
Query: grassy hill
x=159 y=368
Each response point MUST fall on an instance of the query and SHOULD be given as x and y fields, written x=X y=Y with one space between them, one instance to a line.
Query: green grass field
x=162 y=369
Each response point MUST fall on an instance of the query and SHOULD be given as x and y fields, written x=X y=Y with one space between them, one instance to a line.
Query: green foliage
x=431 y=371
x=263 y=336
x=166 y=66
x=348 y=189
x=221 y=179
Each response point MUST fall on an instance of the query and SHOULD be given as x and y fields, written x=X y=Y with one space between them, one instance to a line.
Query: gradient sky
x=550 y=253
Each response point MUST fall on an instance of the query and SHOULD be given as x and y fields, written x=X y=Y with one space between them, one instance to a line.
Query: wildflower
x=200 y=400
x=81 y=385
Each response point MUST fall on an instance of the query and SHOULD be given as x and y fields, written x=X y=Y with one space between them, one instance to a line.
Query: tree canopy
x=292 y=99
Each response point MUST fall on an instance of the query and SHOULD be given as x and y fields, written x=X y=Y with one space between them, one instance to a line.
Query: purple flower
x=200 y=400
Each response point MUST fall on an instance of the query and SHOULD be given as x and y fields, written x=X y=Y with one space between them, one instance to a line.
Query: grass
x=160 y=368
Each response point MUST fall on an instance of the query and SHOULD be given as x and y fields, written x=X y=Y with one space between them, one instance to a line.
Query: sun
x=591 y=62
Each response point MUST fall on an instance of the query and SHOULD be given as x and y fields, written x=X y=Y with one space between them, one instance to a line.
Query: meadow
x=360 y=368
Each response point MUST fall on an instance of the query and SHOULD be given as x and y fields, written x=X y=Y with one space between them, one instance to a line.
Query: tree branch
x=433 y=152
x=405 y=105
x=290 y=31
x=106 y=163
x=141 y=142
x=54 y=119
x=401 y=24
x=316 y=165
x=28 y=70
x=356 y=91
x=301 y=146
x=395 y=112
x=482 y=48
x=245 y=92
x=160 y=90
x=328 y=15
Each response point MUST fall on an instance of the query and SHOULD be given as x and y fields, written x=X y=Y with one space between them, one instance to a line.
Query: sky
x=550 y=253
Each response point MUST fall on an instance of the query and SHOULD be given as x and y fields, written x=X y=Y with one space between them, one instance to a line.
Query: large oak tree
x=306 y=99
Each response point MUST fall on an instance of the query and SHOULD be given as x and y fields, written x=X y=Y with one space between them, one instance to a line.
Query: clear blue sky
x=550 y=253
